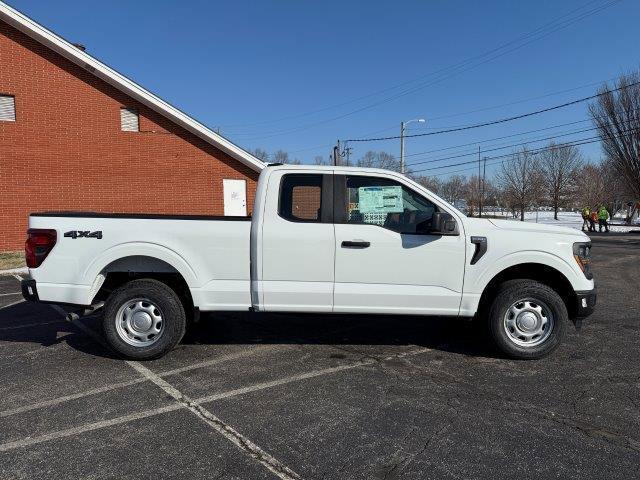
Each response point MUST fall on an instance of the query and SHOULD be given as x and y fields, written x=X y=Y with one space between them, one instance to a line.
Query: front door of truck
x=385 y=259
x=298 y=243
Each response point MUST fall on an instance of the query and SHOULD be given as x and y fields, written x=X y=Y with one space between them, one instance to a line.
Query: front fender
x=478 y=281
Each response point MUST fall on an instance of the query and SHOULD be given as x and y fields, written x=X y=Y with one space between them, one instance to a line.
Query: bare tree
x=453 y=188
x=319 y=160
x=261 y=154
x=598 y=185
x=560 y=165
x=430 y=183
x=384 y=160
x=617 y=117
x=281 y=157
x=472 y=195
x=520 y=179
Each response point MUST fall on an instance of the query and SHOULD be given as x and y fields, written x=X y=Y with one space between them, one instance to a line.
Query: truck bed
x=211 y=253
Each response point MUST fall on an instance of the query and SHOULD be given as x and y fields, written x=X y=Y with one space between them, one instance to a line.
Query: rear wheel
x=527 y=319
x=144 y=319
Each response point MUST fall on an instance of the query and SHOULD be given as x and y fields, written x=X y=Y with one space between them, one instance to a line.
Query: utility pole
x=479 y=186
x=402 y=126
x=484 y=179
x=347 y=151
x=336 y=154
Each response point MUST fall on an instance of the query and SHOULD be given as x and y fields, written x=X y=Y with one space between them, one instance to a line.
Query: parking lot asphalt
x=310 y=396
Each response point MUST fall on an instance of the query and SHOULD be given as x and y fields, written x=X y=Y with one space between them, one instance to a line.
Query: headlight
x=582 y=255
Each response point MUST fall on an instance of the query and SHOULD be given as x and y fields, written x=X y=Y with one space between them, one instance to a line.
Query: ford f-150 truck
x=320 y=239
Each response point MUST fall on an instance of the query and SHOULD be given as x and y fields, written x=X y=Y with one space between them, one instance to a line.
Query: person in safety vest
x=603 y=216
x=585 y=218
x=593 y=218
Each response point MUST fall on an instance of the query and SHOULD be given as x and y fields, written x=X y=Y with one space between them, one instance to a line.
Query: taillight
x=39 y=243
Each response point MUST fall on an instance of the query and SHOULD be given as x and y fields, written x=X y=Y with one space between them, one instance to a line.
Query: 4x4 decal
x=83 y=234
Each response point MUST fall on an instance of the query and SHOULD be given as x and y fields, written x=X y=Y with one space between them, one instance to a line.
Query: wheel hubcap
x=139 y=322
x=528 y=322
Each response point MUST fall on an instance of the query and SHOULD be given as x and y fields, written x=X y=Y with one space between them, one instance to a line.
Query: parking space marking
x=88 y=427
x=11 y=305
x=227 y=431
x=17 y=277
x=231 y=393
x=302 y=376
x=9 y=294
x=67 y=398
x=114 y=386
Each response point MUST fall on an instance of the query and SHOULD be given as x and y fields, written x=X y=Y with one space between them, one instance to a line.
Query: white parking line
x=235 y=437
x=11 y=305
x=18 y=277
x=302 y=376
x=115 y=386
x=88 y=427
x=231 y=393
x=9 y=294
x=227 y=431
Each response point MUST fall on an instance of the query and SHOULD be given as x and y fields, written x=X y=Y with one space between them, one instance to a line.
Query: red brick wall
x=66 y=150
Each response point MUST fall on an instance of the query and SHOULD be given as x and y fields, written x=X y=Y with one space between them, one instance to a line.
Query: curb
x=14 y=271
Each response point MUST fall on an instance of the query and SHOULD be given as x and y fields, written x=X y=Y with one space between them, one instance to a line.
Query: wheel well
x=125 y=269
x=532 y=271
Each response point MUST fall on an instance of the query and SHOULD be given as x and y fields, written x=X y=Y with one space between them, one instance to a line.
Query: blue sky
x=292 y=75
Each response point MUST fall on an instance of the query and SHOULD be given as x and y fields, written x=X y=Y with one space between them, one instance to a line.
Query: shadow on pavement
x=39 y=324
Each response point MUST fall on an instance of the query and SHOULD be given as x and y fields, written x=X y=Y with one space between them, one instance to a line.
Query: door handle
x=355 y=244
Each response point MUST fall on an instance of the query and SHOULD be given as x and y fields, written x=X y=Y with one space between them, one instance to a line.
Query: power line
x=583 y=141
x=496 y=122
x=498 y=138
x=504 y=147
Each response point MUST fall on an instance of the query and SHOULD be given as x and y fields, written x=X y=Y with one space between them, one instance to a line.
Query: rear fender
x=144 y=249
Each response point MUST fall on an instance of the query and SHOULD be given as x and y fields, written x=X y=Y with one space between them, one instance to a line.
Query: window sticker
x=380 y=199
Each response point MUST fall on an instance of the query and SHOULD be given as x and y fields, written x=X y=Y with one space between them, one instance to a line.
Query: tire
x=143 y=319
x=527 y=319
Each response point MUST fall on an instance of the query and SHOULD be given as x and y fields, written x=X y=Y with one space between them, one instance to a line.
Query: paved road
x=325 y=397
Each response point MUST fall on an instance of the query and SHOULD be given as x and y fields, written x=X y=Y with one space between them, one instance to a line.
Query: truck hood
x=517 y=226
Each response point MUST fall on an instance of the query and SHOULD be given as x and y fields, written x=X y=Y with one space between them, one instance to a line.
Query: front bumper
x=585 y=303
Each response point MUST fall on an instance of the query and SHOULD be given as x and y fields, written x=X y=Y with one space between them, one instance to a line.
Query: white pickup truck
x=321 y=239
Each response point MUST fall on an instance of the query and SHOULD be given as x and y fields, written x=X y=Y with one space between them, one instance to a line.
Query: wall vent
x=7 y=108
x=129 y=121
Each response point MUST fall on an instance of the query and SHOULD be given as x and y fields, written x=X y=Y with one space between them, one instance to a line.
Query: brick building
x=77 y=135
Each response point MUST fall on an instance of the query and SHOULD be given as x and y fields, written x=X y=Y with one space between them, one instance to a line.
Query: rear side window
x=301 y=197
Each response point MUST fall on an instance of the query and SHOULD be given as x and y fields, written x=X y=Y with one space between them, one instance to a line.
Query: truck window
x=301 y=197
x=388 y=204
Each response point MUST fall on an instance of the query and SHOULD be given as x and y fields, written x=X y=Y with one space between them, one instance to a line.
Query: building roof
x=69 y=51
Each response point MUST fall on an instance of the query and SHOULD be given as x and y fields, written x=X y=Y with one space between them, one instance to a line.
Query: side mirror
x=443 y=223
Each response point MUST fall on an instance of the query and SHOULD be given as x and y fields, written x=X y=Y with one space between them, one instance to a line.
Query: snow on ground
x=565 y=219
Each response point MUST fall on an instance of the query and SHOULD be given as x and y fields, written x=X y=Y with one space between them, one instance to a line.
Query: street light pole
x=403 y=126
x=402 y=148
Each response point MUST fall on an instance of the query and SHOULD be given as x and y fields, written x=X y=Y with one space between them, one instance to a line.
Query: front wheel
x=527 y=319
x=143 y=319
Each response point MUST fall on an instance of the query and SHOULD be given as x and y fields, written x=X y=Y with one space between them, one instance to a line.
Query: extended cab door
x=297 y=243
x=386 y=261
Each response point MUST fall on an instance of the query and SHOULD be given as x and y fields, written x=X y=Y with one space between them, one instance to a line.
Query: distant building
x=77 y=135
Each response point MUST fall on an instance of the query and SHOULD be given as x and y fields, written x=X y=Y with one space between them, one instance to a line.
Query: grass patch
x=10 y=260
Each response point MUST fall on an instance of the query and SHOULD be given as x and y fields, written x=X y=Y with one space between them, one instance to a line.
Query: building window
x=7 y=108
x=129 y=120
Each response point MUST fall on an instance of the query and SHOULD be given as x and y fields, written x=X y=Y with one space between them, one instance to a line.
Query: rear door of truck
x=297 y=242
